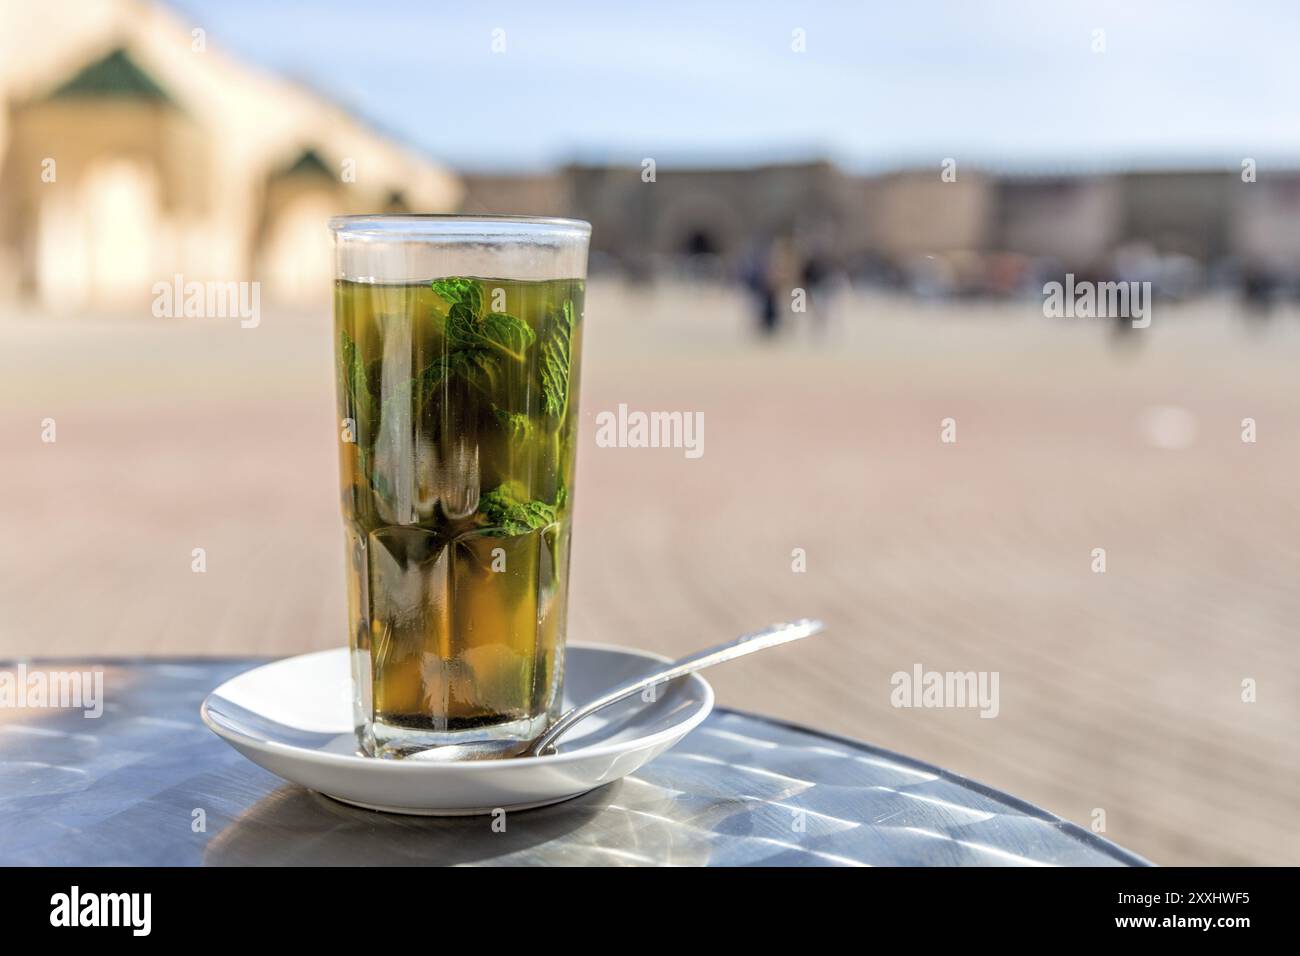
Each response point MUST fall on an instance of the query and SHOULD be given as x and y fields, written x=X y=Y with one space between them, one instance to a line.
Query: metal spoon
x=746 y=644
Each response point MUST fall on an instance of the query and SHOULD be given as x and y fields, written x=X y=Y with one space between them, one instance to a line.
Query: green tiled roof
x=308 y=164
x=116 y=75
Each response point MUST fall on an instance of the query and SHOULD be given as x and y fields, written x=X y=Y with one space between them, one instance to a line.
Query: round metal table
x=147 y=784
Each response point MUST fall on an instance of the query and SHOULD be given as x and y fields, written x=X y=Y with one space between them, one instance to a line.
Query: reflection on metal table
x=147 y=784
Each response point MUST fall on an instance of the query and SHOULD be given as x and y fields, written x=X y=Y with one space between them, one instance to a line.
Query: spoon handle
x=746 y=644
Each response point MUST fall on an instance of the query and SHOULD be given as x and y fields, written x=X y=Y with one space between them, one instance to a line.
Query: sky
x=1001 y=84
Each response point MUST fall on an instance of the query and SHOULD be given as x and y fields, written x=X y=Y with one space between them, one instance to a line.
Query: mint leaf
x=352 y=374
x=556 y=361
x=358 y=399
x=509 y=335
x=425 y=381
x=461 y=329
x=457 y=290
x=509 y=511
x=495 y=332
x=478 y=367
x=518 y=425
x=347 y=358
x=475 y=342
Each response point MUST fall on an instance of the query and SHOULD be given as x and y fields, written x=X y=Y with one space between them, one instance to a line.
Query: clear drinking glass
x=457 y=344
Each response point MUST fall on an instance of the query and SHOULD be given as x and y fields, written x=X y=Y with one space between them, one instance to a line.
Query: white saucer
x=294 y=718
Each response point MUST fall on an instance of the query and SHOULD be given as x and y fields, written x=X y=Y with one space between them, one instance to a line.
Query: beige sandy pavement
x=1119 y=692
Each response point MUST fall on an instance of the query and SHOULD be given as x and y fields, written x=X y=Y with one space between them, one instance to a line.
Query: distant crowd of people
x=787 y=278
x=793 y=281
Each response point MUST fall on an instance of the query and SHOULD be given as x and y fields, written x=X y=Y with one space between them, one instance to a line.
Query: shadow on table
x=297 y=827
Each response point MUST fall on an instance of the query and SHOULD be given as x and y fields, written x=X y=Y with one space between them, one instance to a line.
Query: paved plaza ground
x=1119 y=692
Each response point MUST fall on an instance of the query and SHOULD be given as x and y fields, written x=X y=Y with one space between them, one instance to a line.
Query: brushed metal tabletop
x=147 y=784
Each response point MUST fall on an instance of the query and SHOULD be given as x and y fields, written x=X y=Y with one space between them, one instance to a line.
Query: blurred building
x=1264 y=228
x=980 y=233
x=711 y=215
x=540 y=194
x=917 y=213
x=1072 y=219
x=132 y=151
x=1185 y=213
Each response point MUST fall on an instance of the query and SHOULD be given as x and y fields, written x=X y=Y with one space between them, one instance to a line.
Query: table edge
x=1101 y=844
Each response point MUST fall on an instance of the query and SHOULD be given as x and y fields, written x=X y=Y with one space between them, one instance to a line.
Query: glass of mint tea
x=457 y=347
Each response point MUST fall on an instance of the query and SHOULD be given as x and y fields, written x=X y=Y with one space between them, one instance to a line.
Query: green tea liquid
x=459 y=417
